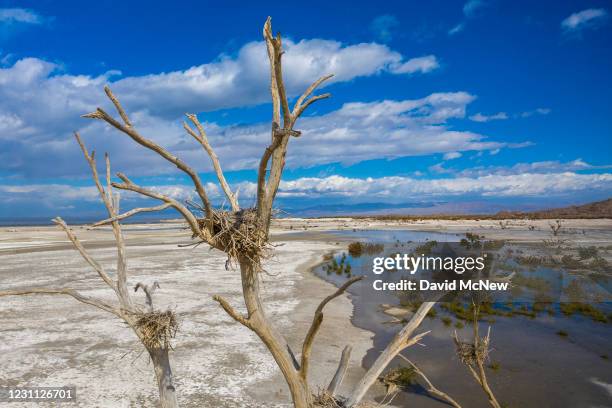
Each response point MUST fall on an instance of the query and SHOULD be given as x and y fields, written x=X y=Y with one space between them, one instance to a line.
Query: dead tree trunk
x=165 y=379
x=276 y=343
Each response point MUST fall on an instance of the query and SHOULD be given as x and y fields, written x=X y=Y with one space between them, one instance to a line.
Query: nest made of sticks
x=239 y=234
x=157 y=328
x=325 y=400
x=470 y=354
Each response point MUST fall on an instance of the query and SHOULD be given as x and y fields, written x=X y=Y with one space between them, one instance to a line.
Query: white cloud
x=421 y=64
x=19 y=15
x=479 y=117
x=526 y=184
x=588 y=18
x=452 y=155
x=40 y=144
x=550 y=166
x=335 y=187
x=40 y=106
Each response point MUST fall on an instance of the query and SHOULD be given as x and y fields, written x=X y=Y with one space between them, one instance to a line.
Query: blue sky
x=437 y=106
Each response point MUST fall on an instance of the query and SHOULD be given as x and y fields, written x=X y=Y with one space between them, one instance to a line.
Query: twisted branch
x=316 y=325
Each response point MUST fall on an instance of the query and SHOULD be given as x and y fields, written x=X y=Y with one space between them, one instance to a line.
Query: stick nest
x=157 y=328
x=471 y=355
x=325 y=400
x=239 y=234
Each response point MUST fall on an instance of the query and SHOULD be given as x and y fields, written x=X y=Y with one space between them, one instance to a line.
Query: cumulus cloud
x=41 y=144
x=479 y=117
x=19 y=15
x=384 y=26
x=452 y=155
x=420 y=64
x=589 y=18
x=527 y=184
x=550 y=166
x=40 y=105
x=389 y=189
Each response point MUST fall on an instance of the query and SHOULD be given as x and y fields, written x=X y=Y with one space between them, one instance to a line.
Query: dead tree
x=154 y=328
x=243 y=234
x=474 y=356
x=556 y=227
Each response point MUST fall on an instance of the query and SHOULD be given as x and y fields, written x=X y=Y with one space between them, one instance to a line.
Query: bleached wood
x=149 y=144
x=128 y=214
x=203 y=140
x=336 y=381
x=401 y=340
x=100 y=304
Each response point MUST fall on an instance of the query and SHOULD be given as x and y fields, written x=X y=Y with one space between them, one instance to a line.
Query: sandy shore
x=54 y=340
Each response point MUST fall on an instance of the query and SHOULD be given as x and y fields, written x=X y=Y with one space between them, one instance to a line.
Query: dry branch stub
x=157 y=328
x=239 y=234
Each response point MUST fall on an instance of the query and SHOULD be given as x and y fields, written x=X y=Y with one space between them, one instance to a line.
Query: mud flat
x=55 y=341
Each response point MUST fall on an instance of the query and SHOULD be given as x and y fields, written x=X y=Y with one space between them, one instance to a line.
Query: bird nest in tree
x=471 y=355
x=325 y=400
x=239 y=234
x=157 y=328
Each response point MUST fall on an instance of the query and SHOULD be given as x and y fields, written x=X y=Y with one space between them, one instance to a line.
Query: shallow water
x=550 y=360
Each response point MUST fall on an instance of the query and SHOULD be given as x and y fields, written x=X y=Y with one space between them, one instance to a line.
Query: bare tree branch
x=188 y=215
x=430 y=387
x=474 y=355
x=233 y=313
x=149 y=144
x=128 y=214
x=274 y=47
x=149 y=291
x=203 y=140
x=308 y=92
x=336 y=381
x=118 y=106
x=64 y=291
x=91 y=160
x=88 y=258
x=107 y=199
x=316 y=324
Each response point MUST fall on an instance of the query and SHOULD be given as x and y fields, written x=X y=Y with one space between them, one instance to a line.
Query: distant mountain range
x=598 y=209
